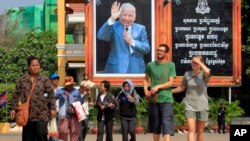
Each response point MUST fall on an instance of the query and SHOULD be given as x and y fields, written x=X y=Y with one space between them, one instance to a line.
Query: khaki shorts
x=198 y=115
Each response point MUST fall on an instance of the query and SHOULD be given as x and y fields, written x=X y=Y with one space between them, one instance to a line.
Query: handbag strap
x=164 y=73
x=118 y=95
x=193 y=76
x=32 y=90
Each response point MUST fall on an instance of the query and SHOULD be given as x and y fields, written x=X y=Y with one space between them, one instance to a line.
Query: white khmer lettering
x=186 y=45
x=189 y=21
x=214 y=45
x=209 y=21
x=215 y=29
x=177 y=29
x=215 y=61
x=186 y=61
x=194 y=36
x=203 y=53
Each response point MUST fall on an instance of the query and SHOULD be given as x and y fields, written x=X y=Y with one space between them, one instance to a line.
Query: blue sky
x=6 y=4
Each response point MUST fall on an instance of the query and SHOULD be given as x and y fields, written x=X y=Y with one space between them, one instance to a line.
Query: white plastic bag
x=52 y=128
x=85 y=107
x=79 y=111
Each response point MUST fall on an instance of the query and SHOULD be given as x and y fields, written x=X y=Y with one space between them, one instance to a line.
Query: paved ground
x=140 y=137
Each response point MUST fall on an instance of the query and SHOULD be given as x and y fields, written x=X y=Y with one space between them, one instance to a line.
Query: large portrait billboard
x=113 y=55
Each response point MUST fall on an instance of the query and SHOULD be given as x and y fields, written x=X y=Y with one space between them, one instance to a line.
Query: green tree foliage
x=233 y=110
x=245 y=12
x=142 y=111
x=93 y=115
x=9 y=29
x=179 y=113
x=213 y=109
x=13 y=62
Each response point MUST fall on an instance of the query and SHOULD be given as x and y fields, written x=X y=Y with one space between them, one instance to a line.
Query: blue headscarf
x=132 y=86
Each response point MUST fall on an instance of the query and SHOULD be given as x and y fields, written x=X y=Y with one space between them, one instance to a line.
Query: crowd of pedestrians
x=51 y=102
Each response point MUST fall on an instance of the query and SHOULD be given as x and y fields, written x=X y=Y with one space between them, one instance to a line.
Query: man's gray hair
x=128 y=6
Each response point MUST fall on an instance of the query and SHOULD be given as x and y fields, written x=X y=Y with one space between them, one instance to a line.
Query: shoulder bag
x=22 y=110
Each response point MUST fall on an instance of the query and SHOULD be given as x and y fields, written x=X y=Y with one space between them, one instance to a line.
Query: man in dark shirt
x=221 y=118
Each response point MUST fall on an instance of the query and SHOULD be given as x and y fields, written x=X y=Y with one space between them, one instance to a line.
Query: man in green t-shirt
x=160 y=75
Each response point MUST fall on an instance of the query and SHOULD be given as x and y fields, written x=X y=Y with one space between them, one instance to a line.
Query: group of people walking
x=50 y=101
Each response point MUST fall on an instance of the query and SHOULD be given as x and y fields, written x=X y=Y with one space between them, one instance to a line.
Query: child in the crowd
x=128 y=98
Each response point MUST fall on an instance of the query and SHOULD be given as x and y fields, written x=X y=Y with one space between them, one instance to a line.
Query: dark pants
x=108 y=126
x=128 y=126
x=221 y=125
x=161 y=118
x=84 y=129
x=35 y=131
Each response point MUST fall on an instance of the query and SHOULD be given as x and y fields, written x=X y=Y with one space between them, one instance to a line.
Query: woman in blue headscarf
x=128 y=98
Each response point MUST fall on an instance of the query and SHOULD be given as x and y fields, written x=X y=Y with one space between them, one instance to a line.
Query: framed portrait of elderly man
x=122 y=37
